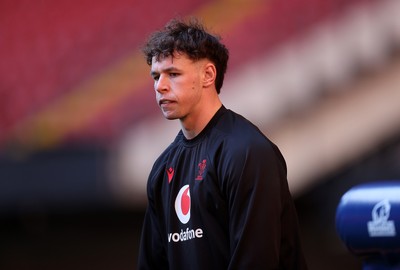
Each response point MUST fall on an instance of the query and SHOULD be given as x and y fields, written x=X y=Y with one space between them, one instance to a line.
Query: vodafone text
x=189 y=234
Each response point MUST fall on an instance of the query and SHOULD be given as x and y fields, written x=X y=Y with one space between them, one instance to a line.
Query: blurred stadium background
x=79 y=128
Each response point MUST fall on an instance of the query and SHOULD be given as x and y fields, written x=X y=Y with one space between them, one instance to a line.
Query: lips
x=165 y=102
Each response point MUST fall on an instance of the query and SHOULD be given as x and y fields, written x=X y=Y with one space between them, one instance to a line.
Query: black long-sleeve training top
x=220 y=201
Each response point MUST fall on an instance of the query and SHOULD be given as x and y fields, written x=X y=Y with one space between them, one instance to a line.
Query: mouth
x=165 y=102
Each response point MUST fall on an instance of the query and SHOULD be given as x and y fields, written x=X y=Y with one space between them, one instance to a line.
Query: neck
x=193 y=128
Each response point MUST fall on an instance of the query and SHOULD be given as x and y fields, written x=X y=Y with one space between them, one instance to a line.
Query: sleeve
x=152 y=254
x=256 y=188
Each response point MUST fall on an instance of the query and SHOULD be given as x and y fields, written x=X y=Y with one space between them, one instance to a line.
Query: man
x=218 y=196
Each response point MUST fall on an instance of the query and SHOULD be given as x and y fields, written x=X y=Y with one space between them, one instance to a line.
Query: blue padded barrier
x=368 y=222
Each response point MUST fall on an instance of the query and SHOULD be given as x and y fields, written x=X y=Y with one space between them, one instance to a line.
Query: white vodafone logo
x=182 y=204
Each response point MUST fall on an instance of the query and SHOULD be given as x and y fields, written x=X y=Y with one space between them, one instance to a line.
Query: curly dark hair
x=192 y=39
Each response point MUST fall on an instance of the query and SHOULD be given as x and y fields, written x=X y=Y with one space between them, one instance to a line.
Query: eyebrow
x=169 y=69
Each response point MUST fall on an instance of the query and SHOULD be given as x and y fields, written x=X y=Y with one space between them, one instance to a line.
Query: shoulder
x=242 y=138
x=239 y=131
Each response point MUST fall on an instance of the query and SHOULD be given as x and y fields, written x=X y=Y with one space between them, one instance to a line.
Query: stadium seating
x=53 y=48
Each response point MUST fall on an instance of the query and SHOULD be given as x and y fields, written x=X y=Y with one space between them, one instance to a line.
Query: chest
x=190 y=188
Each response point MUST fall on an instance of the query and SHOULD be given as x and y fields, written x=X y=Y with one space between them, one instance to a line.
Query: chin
x=169 y=116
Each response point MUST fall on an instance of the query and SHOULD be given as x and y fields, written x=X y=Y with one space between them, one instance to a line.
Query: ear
x=210 y=73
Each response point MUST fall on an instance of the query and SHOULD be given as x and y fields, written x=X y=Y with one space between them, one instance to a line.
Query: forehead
x=176 y=60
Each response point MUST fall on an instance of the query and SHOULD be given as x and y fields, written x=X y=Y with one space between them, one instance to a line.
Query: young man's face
x=177 y=82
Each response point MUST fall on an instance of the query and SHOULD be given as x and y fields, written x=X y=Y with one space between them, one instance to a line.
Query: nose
x=161 y=85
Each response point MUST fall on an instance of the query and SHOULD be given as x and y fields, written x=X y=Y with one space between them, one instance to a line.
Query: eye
x=173 y=74
x=156 y=77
